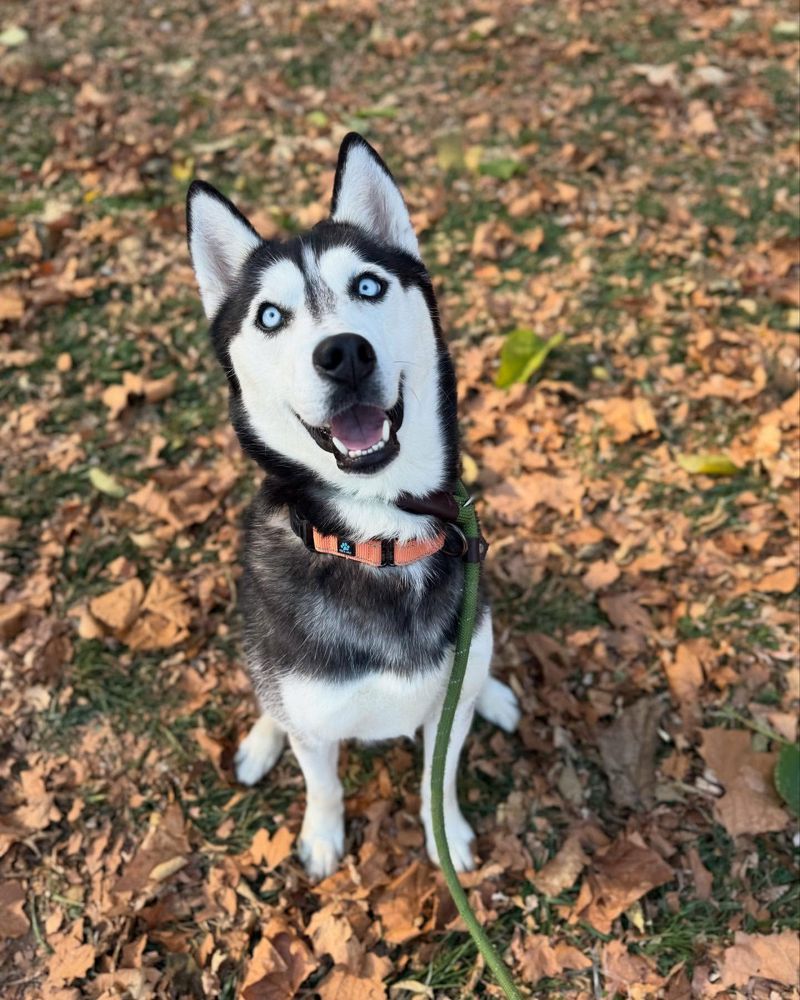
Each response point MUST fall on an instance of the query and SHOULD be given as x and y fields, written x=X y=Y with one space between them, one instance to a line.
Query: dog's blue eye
x=270 y=317
x=369 y=287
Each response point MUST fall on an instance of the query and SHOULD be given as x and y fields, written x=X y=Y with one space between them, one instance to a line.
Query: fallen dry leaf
x=119 y=607
x=783 y=581
x=12 y=305
x=341 y=984
x=628 y=750
x=13 y=919
x=750 y=803
x=117 y=397
x=701 y=877
x=625 y=417
x=767 y=956
x=280 y=962
x=163 y=850
x=535 y=957
x=270 y=851
x=619 y=875
x=562 y=870
x=601 y=574
x=685 y=673
x=401 y=905
x=71 y=958
x=626 y=974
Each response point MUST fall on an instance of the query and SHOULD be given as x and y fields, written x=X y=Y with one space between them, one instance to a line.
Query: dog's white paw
x=321 y=851
x=497 y=703
x=258 y=751
x=460 y=838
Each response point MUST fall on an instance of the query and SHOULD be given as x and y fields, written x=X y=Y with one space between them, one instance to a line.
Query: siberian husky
x=342 y=389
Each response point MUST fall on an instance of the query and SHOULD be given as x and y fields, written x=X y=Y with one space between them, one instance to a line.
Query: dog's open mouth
x=362 y=438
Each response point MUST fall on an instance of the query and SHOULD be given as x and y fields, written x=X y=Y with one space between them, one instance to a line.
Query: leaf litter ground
x=622 y=175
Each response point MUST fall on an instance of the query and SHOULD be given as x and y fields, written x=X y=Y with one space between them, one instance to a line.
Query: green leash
x=468 y=523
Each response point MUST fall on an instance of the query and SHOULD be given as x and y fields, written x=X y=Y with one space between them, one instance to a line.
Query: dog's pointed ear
x=220 y=241
x=365 y=194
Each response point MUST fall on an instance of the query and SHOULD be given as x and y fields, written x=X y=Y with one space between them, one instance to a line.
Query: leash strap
x=468 y=523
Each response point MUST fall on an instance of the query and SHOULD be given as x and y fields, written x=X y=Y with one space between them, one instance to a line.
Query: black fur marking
x=303 y=611
x=408 y=270
x=333 y=619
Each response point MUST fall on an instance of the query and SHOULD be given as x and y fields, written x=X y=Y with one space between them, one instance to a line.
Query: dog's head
x=331 y=339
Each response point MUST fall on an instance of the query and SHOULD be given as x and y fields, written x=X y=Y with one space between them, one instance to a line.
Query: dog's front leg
x=321 y=843
x=459 y=832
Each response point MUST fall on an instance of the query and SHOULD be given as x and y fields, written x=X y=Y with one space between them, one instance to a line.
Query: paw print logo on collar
x=346 y=548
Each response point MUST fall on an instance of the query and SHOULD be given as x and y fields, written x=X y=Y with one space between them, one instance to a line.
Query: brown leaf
x=12 y=619
x=38 y=810
x=561 y=871
x=783 y=581
x=164 y=842
x=685 y=673
x=622 y=971
x=701 y=119
x=341 y=984
x=279 y=964
x=119 y=607
x=601 y=574
x=9 y=528
x=271 y=850
x=402 y=902
x=625 y=611
x=13 y=920
x=164 y=597
x=620 y=874
x=768 y=956
x=71 y=958
x=628 y=750
x=12 y=305
x=701 y=876
x=165 y=619
x=332 y=934
x=536 y=957
x=750 y=803
x=117 y=397
x=626 y=418
x=561 y=493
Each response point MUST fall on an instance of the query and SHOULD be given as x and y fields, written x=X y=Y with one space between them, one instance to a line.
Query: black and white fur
x=337 y=649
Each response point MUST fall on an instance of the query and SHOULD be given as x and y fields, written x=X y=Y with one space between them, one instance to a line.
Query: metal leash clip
x=471 y=550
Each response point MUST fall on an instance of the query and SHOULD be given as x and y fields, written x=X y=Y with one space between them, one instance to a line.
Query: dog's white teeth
x=339 y=446
x=387 y=427
x=365 y=451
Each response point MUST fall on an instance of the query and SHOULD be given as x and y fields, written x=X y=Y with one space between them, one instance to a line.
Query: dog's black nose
x=345 y=357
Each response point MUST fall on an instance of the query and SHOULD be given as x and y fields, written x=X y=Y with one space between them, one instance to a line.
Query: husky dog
x=342 y=389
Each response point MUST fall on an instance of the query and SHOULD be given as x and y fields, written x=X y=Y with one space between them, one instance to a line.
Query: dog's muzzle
x=362 y=437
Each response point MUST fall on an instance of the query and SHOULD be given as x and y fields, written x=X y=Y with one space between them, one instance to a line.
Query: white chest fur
x=380 y=705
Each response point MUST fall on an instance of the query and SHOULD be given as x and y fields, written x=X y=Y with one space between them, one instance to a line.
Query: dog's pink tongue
x=359 y=427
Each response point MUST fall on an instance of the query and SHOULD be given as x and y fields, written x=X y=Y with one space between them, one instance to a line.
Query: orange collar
x=375 y=552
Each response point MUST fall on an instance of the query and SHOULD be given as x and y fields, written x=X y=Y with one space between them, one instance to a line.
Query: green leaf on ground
x=787 y=776
x=708 y=465
x=503 y=168
x=13 y=36
x=105 y=483
x=524 y=353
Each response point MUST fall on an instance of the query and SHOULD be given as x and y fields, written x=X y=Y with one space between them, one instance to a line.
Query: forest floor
x=622 y=174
